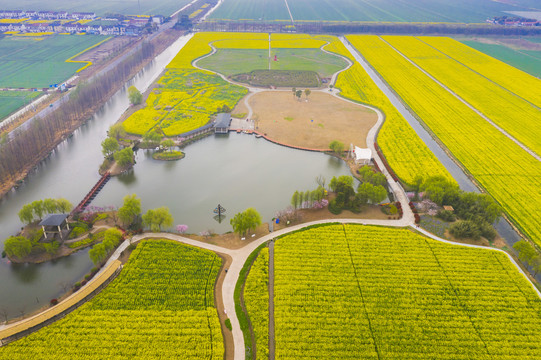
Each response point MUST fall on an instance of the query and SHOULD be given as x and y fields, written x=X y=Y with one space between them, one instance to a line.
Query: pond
x=236 y=170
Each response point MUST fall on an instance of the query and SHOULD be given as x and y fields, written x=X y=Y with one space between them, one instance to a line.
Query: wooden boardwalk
x=92 y=193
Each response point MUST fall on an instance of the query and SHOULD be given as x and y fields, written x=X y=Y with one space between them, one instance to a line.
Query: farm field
x=510 y=78
x=506 y=171
x=406 y=153
x=160 y=306
x=526 y=60
x=10 y=101
x=352 y=291
x=235 y=61
x=186 y=97
x=369 y=10
x=184 y=100
x=256 y=298
x=39 y=62
x=100 y=7
x=251 y=9
x=516 y=116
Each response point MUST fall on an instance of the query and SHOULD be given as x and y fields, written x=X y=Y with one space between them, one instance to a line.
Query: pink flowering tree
x=182 y=228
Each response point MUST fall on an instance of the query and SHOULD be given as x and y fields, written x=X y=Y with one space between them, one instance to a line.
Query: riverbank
x=17 y=172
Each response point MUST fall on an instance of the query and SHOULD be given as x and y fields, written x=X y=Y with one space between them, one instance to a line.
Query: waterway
x=237 y=170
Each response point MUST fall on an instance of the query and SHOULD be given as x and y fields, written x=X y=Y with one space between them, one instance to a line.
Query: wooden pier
x=92 y=194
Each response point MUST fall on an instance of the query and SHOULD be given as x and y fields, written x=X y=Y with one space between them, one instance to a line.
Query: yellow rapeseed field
x=511 y=78
x=405 y=152
x=506 y=171
x=512 y=113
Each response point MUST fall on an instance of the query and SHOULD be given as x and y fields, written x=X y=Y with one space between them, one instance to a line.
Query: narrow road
x=289 y=11
x=487 y=119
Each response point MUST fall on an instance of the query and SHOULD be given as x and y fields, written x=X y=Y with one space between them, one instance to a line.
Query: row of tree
x=307 y=198
x=28 y=147
x=479 y=211
x=327 y=27
x=36 y=209
x=298 y=93
x=21 y=246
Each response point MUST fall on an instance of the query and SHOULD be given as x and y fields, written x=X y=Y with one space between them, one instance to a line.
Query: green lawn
x=10 y=101
x=29 y=62
x=237 y=61
x=100 y=7
x=354 y=291
x=525 y=60
x=307 y=59
x=371 y=10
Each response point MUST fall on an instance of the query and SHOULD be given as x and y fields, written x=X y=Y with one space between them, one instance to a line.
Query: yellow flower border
x=88 y=63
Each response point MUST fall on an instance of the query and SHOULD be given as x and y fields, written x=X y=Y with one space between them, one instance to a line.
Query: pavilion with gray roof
x=55 y=224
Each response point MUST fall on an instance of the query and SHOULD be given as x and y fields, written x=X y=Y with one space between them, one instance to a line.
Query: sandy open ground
x=313 y=123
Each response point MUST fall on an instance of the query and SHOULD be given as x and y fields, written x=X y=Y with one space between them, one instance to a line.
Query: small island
x=168 y=155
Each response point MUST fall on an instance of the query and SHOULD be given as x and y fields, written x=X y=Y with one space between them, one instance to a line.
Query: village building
x=222 y=124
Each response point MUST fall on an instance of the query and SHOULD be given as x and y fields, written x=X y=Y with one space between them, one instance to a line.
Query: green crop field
x=160 y=307
x=370 y=10
x=525 y=60
x=353 y=291
x=307 y=59
x=237 y=61
x=251 y=9
x=100 y=7
x=10 y=101
x=31 y=62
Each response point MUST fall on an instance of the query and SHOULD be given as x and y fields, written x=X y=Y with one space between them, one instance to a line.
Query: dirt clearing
x=310 y=124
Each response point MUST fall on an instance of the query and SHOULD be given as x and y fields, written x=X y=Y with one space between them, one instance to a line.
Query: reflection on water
x=237 y=171
x=26 y=273
x=127 y=177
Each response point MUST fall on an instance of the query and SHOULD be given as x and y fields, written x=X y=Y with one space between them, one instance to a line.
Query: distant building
x=158 y=19
x=83 y=15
